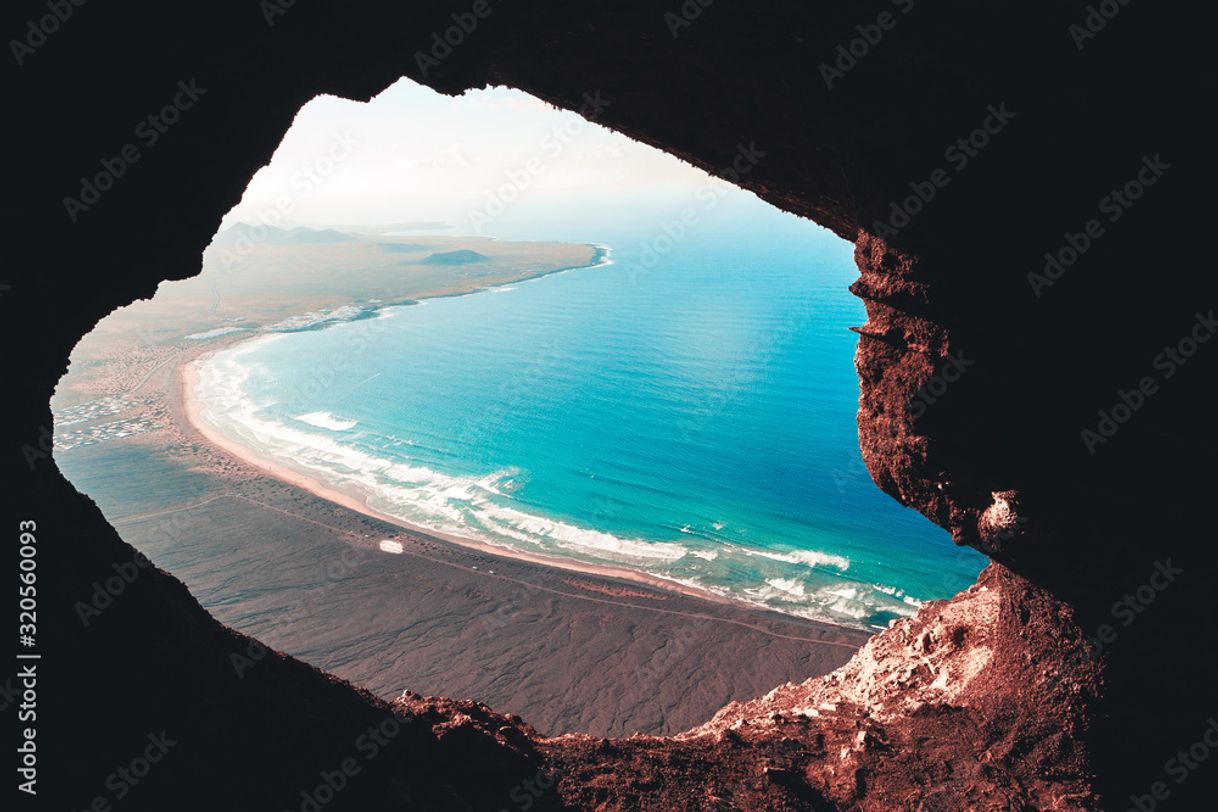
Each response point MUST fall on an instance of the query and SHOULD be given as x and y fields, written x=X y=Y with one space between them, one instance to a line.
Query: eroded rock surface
x=996 y=457
x=979 y=702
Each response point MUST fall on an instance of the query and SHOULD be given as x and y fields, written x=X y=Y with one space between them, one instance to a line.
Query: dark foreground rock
x=1029 y=187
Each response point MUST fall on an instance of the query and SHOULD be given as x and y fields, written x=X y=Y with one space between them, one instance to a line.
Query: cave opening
x=476 y=397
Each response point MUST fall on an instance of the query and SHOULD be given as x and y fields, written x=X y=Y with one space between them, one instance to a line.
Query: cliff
x=1026 y=187
x=966 y=705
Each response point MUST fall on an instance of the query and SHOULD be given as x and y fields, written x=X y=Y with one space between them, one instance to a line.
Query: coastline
x=190 y=418
x=297 y=565
x=305 y=575
x=187 y=375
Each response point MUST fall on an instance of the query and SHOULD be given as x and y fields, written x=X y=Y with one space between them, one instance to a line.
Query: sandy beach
x=571 y=647
x=190 y=412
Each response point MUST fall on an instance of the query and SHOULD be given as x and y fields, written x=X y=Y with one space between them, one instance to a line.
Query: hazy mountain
x=461 y=256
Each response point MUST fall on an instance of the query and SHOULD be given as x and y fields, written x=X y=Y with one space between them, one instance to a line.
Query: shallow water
x=687 y=410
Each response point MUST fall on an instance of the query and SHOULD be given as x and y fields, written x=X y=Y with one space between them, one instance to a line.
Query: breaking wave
x=379 y=472
x=325 y=420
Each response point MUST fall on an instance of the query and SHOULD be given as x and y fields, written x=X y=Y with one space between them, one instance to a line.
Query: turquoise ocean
x=684 y=408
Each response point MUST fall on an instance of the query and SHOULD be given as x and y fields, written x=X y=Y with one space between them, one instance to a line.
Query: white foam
x=811 y=558
x=325 y=420
x=215 y=332
x=788 y=586
x=481 y=507
x=464 y=505
x=576 y=538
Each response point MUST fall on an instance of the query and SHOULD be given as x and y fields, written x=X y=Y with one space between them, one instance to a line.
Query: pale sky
x=482 y=163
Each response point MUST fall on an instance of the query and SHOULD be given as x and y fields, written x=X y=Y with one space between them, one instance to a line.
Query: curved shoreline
x=189 y=378
x=194 y=419
x=191 y=411
x=295 y=564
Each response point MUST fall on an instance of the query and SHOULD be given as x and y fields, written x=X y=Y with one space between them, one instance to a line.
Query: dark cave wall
x=951 y=283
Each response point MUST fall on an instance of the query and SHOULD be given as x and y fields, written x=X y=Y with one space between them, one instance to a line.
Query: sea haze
x=686 y=409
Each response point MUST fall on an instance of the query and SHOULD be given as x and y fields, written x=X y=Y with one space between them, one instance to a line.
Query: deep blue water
x=688 y=411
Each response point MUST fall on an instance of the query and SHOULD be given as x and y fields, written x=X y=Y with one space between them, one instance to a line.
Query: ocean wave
x=898 y=593
x=854 y=604
x=788 y=586
x=465 y=505
x=810 y=558
x=325 y=420
x=805 y=583
x=581 y=539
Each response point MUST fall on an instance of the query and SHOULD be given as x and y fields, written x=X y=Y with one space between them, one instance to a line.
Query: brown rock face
x=980 y=702
x=1031 y=208
x=903 y=354
x=977 y=683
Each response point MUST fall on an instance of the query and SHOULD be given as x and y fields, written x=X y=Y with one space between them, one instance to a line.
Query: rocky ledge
x=992 y=246
x=969 y=704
